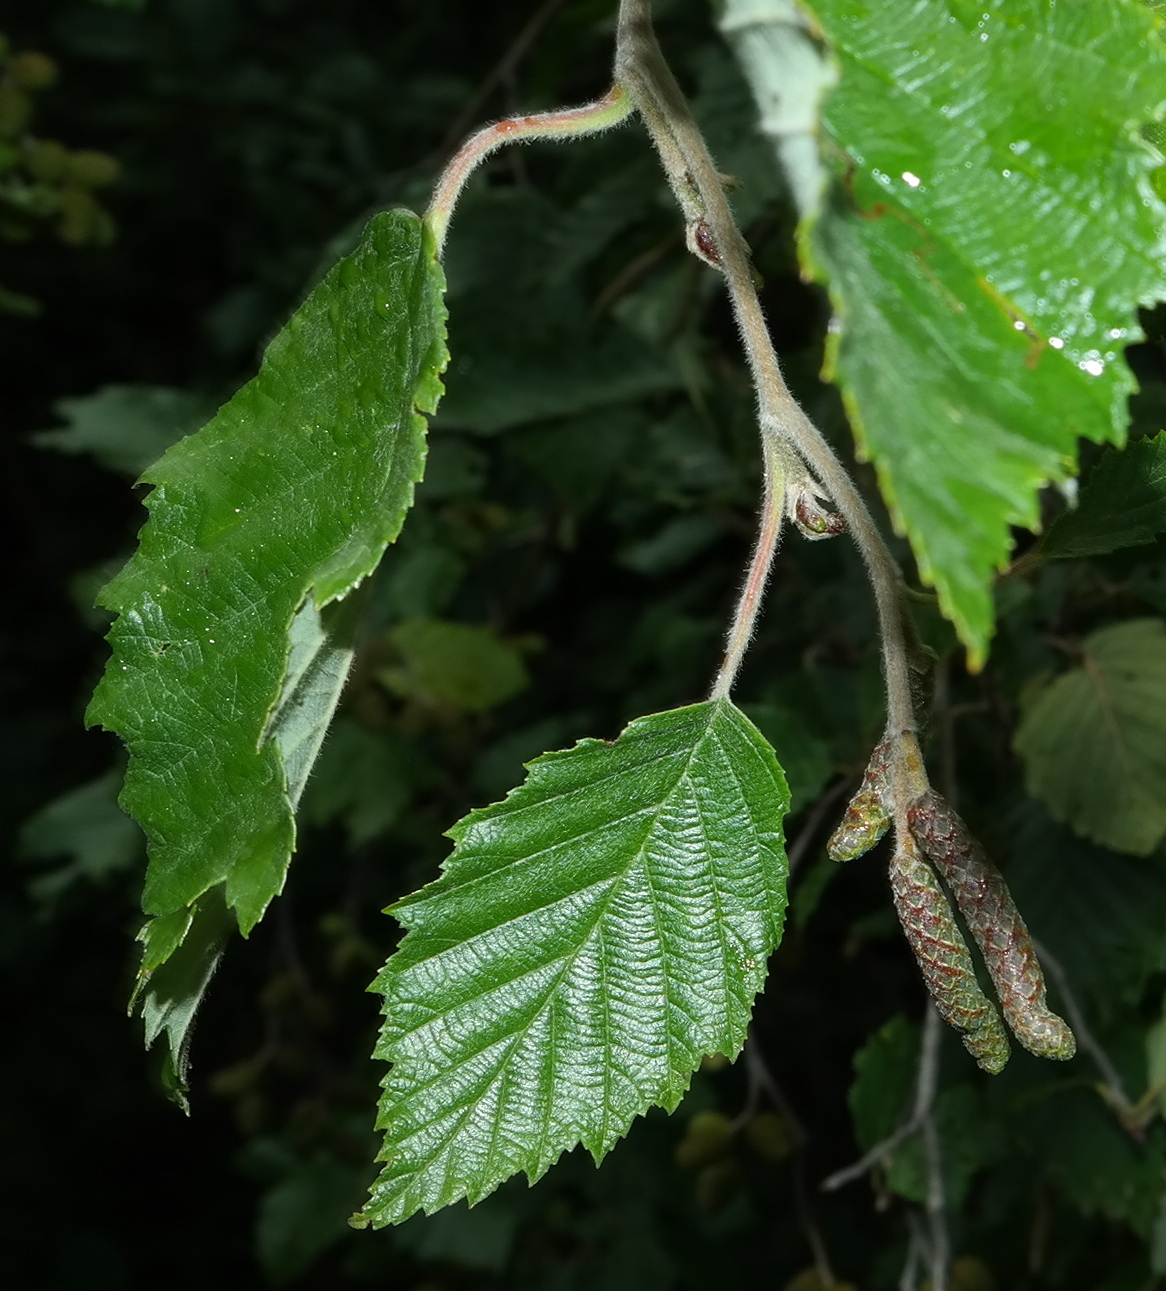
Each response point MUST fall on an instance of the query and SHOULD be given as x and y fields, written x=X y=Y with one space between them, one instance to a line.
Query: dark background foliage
x=589 y=503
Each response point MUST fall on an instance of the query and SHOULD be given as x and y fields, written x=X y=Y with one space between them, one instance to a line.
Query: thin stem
x=1114 y=1086
x=614 y=107
x=745 y=618
x=932 y=1150
x=926 y=1080
x=641 y=69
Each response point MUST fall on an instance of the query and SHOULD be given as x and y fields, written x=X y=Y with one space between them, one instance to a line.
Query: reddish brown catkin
x=868 y=815
x=995 y=923
x=943 y=956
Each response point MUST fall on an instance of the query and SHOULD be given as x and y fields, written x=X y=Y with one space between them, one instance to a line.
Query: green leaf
x=1094 y=740
x=126 y=428
x=1103 y=916
x=591 y=938
x=180 y=954
x=886 y=1071
x=991 y=232
x=86 y=826
x=227 y=656
x=1122 y=505
x=461 y=666
x=303 y=1215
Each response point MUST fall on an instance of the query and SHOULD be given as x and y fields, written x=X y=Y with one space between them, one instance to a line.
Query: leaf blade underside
x=280 y=505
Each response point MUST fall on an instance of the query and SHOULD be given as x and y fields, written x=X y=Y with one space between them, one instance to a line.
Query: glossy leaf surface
x=591 y=938
x=985 y=252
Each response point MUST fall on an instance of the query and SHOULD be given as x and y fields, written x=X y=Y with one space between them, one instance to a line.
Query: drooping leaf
x=1122 y=505
x=180 y=952
x=591 y=938
x=985 y=251
x=227 y=652
x=1094 y=740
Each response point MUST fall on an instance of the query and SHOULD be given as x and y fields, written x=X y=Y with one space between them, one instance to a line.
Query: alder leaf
x=1094 y=741
x=989 y=236
x=591 y=938
x=227 y=654
x=1123 y=504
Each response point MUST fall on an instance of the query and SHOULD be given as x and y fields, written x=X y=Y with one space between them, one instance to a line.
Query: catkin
x=995 y=923
x=943 y=956
x=867 y=817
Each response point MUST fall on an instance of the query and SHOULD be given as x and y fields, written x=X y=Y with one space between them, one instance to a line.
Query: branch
x=566 y=123
x=926 y=1079
x=760 y=1081
x=792 y=442
x=1113 y=1087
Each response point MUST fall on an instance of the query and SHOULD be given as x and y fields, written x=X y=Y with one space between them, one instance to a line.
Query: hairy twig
x=567 y=123
x=796 y=456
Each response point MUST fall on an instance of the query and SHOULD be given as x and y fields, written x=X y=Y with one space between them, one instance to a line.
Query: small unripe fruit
x=715 y=1185
x=93 y=169
x=705 y=1141
x=46 y=160
x=32 y=70
x=79 y=220
x=15 y=111
x=770 y=1136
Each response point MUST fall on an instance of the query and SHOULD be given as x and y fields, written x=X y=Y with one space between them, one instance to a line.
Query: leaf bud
x=813 y=520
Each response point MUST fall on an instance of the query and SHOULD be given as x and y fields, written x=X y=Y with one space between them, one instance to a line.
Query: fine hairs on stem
x=796 y=458
x=793 y=447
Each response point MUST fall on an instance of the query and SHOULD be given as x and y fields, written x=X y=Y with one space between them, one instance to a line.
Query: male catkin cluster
x=933 y=832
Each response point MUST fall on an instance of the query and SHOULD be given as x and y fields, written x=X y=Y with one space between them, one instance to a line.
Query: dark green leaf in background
x=227 y=652
x=591 y=938
x=1094 y=740
x=1123 y=504
x=86 y=826
x=126 y=428
x=986 y=252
